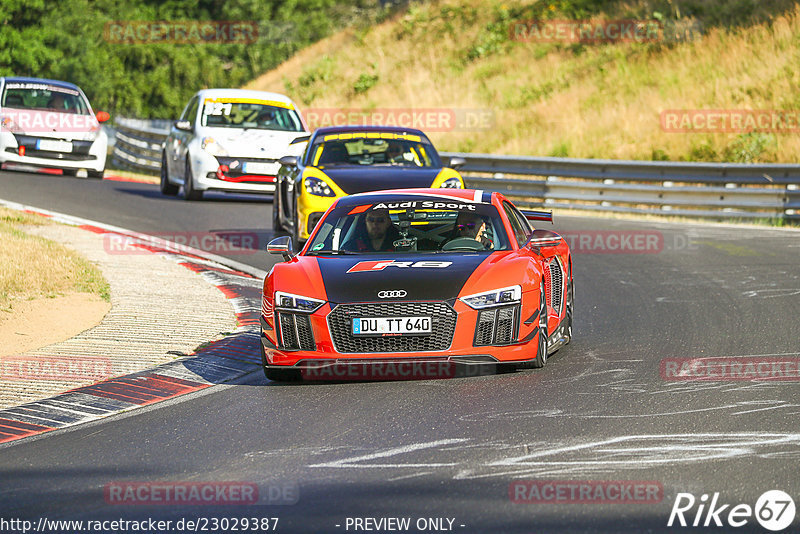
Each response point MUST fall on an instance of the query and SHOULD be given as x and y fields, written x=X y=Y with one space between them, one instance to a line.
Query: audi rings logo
x=394 y=294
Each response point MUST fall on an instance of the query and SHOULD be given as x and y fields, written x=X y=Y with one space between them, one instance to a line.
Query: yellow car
x=344 y=160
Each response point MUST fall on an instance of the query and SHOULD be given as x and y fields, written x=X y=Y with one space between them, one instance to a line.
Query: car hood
x=50 y=124
x=359 y=278
x=353 y=179
x=255 y=143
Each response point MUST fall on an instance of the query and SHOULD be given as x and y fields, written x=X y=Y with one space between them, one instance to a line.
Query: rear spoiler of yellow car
x=533 y=215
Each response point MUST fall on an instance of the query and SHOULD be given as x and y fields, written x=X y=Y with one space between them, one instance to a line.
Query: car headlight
x=452 y=183
x=498 y=297
x=287 y=301
x=315 y=186
x=213 y=147
x=9 y=124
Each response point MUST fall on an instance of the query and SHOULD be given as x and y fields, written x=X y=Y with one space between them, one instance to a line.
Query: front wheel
x=278 y=375
x=570 y=307
x=276 y=211
x=541 y=345
x=167 y=188
x=297 y=246
x=189 y=192
x=96 y=175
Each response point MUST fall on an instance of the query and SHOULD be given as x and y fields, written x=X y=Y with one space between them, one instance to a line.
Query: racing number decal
x=217 y=108
x=379 y=265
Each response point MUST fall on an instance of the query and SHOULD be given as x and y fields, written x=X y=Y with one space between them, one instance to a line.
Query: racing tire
x=276 y=213
x=96 y=175
x=569 y=311
x=278 y=375
x=297 y=246
x=167 y=188
x=69 y=172
x=189 y=192
x=541 y=344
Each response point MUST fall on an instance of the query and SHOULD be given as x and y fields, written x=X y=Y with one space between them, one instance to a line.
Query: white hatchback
x=49 y=124
x=230 y=140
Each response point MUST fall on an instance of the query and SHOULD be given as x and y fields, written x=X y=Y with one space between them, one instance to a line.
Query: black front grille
x=296 y=331
x=497 y=326
x=45 y=154
x=443 y=326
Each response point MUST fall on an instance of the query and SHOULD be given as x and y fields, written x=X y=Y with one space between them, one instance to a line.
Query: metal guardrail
x=718 y=190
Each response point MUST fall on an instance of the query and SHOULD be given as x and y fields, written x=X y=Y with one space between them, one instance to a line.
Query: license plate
x=52 y=145
x=257 y=167
x=379 y=326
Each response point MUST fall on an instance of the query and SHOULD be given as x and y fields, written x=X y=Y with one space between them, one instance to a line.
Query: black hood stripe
x=354 y=180
x=419 y=282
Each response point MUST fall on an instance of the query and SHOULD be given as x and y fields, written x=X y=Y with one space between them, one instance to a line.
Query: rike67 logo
x=774 y=510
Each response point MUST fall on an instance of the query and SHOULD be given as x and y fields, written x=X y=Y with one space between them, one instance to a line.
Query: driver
x=57 y=102
x=380 y=236
x=394 y=153
x=472 y=226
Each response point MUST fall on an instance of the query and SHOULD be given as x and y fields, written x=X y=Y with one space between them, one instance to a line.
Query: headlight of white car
x=451 y=183
x=497 y=297
x=213 y=147
x=7 y=123
x=287 y=301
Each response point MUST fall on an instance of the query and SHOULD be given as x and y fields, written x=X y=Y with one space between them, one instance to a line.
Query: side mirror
x=301 y=139
x=102 y=116
x=288 y=161
x=544 y=238
x=184 y=125
x=457 y=162
x=281 y=245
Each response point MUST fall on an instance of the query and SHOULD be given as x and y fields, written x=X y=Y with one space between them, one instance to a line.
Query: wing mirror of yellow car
x=301 y=139
x=457 y=162
x=288 y=161
x=281 y=245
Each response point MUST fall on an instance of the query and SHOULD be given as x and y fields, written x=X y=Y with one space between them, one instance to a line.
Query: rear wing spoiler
x=533 y=215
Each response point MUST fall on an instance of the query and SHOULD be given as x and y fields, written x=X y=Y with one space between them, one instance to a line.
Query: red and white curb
x=216 y=363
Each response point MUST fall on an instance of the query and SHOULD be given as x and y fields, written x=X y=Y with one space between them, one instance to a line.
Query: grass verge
x=33 y=267
x=566 y=99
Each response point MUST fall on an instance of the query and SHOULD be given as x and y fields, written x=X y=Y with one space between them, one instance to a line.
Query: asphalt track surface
x=601 y=410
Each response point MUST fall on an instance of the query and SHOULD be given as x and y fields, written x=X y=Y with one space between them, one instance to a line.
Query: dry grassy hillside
x=567 y=99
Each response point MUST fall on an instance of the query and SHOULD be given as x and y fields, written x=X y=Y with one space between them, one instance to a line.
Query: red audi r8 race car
x=416 y=283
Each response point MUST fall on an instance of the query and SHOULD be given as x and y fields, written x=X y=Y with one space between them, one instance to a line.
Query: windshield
x=411 y=225
x=250 y=113
x=373 y=148
x=45 y=97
